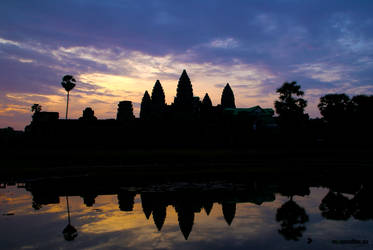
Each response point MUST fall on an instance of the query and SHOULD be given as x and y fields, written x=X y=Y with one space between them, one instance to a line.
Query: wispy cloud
x=8 y=42
x=227 y=43
x=323 y=71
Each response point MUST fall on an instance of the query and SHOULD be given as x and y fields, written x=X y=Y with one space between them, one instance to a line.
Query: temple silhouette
x=191 y=122
x=194 y=122
x=159 y=124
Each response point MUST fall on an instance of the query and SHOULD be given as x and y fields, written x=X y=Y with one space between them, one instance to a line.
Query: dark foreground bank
x=181 y=162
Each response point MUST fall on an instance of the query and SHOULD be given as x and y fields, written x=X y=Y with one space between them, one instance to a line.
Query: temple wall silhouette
x=187 y=121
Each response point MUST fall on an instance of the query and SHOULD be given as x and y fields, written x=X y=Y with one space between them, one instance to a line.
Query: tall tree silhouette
x=68 y=84
x=227 y=97
x=292 y=218
x=146 y=105
x=158 y=99
x=361 y=108
x=334 y=108
x=290 y=107
x=184 y=94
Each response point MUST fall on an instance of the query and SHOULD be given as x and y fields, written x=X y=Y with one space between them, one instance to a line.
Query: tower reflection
x=190 y=199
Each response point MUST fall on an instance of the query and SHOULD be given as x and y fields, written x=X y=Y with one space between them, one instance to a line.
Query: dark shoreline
x=181 y=162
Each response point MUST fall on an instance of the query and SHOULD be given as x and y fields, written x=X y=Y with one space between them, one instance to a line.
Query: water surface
x=216 y=215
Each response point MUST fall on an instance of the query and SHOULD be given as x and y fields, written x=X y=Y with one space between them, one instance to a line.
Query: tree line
x=337 y=110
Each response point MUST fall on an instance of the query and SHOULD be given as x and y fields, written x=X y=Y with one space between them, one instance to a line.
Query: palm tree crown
x=68 y=82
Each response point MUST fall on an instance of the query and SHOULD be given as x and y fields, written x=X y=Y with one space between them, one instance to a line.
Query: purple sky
x=118 y=49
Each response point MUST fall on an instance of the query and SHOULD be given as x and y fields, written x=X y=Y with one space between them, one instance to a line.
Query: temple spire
x=227 y=97
x=184 y=93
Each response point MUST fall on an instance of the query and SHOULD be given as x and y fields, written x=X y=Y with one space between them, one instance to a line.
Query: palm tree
x=69 y=232
x=68 y=84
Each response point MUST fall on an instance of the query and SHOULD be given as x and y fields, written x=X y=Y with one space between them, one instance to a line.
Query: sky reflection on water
x=105 y=226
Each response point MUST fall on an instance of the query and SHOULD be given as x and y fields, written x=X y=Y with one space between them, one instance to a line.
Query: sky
x=117 y=49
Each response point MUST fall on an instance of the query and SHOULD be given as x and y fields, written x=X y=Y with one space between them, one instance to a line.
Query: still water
x=215 y=215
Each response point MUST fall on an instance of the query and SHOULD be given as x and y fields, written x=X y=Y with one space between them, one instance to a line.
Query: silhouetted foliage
x=335 y=206
x=362 y=111
x=184 y=94
x=88 y=115
x=146 y=106
x=334 y=108
x=36 y=205
x=68 y=82
x=69 y=232
x=125 y=111
x=36 y=108
x=227 y=97
x=45 y=117
x=292 y=218
x=362 y=105
x=352 y=117
x=363 y=205
x=290 y=107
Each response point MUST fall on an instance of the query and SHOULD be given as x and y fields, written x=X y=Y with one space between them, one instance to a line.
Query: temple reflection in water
x=344 y=200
